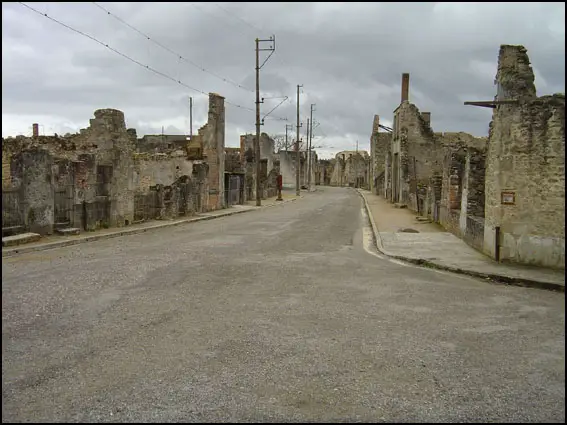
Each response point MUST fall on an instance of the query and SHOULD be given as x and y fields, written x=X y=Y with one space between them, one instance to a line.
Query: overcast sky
x=348 y=56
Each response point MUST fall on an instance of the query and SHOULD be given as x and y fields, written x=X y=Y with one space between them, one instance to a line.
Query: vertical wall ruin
x=525 y=168
x=414 y=154
x=212 y=135
x=105 y=177
x=379 y=145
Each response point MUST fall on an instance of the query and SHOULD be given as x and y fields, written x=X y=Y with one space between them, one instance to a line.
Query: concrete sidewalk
x=434 y=247
x=50 y=242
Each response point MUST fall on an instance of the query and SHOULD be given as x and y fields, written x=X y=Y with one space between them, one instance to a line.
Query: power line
x=255 y=28
x=179 y=56
x=251 y=27
x=149 y=68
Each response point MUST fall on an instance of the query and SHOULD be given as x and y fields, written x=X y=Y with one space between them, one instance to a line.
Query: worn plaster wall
x=288 y=160
x=526 y=158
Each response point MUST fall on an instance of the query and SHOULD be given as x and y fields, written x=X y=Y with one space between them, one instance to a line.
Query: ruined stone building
x=288 y=161
x=351 y=168
x=105 y=176
x=428 y=171
x=269 y=165
x=525 y=168
x=505 y=194
x=235 y=176
x=379 y=143
x=323 y=171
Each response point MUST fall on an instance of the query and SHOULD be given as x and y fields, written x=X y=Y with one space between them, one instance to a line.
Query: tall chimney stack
x=405 y=86
x=35 y=131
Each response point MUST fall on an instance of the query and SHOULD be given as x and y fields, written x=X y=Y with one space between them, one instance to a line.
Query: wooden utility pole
x=190 y=118
x=298 y=158
x=257 y=139
x=287 y=126
x=257 y=158
x=307 y=153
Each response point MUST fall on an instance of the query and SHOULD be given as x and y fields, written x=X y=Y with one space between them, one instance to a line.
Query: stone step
x=69 y=231
x=20 y=239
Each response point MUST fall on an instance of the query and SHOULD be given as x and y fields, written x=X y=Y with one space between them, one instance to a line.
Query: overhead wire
x=254 y=28
x=147 y=67
x=178 y=55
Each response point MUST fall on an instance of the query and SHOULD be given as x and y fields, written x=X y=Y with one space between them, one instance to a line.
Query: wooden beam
x=491 y=103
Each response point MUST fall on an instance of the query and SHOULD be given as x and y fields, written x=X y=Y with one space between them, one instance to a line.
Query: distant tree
x=280 y=143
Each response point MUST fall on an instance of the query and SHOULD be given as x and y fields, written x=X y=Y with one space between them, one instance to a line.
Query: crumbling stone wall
x=162 y=143
x=379 y=146
x=105 y=143
x=98 y=177
x=526 y=160
x=268 y=155
x=212 y=136
x=323 y=171
x=462 y=192
x=414 y=155
x=352 y=168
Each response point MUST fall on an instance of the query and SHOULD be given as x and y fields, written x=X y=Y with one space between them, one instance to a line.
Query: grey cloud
x=349 y=58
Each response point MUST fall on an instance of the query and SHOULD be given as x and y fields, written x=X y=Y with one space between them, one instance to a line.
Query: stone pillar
x=35 y=131
x=38 y=191
x=405 y=87
x=213 y=147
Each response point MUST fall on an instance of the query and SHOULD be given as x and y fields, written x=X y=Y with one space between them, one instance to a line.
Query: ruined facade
x=105 y=177
x=235 y=176
x=414 y=154
x=351 y=168
x=460 y=187
x=269 y=165
x=428 y=171
x=323 y=171
x=505 y=194
x=288 y=161
x=379 y=145
x=525 y=168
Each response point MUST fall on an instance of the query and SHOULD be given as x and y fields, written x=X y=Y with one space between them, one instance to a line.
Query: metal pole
x=257 y=139
x=190 y=117
x=298 y=159
x=309 y=163
x=307 y=153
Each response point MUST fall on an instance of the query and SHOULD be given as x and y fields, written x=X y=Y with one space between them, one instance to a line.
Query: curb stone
x=494 y=278
x=60 y=244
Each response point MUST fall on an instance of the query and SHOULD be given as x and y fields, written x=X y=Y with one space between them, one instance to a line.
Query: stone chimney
x=405 y=87
x=35 y=131
x=426 y=117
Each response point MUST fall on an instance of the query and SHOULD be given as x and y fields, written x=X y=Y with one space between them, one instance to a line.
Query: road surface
x=283 y=314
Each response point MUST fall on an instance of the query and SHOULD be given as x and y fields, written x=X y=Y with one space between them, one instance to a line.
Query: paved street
x=279 y=314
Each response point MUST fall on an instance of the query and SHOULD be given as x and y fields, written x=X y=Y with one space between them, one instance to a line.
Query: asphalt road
x=280 y=314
